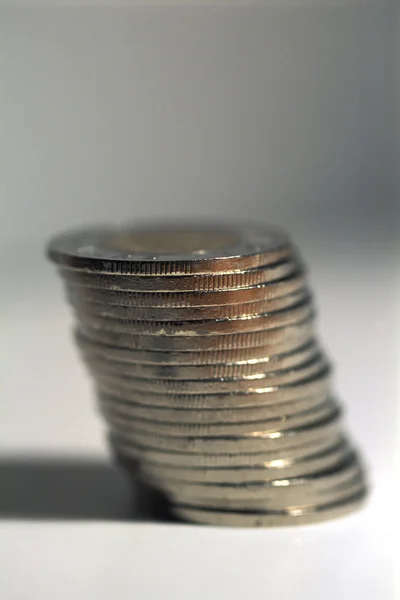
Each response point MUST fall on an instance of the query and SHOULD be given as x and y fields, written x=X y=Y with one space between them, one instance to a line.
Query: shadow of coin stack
x=201 y=343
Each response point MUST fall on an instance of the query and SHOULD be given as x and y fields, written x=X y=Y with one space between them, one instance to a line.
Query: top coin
x=171 y=249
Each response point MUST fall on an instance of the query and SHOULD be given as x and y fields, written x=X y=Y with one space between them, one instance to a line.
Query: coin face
x=174 y=249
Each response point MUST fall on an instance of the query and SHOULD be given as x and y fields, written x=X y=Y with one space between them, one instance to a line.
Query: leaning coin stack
x=201 y=343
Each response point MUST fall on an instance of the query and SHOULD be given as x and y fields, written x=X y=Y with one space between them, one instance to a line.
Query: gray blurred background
x=285 y=114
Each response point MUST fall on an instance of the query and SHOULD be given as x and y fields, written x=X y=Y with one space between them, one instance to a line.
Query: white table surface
x=66 y=536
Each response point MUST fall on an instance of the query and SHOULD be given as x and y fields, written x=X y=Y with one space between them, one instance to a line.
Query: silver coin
x=182 y=283
x=170 y=249
x=295 y=515
x=297 y=451
x=289 y=316
x=270 y=291
x=254 y=368
x=217 y=358
x=194 y=343
x=289 y=469
x=198 y=313
x=290 y=421
x=257 y=441
x=163 y=414
x=316 y=386
x=286 y=498
x=273 y=493
x=263 y=384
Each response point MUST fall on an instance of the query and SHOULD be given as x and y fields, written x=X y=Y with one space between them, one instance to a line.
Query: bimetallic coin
x=277 y=499
x=268 y=471
x=201 y=342
x=129 y=450
x=253 y=368
x=263 y=384
x=174 y=249
x=273 y=493
x=217 y=358
x=273 y=424
x=257 y=441
x=293 y=315
x=316 y=386
x=196 y=313
x=294 y=515
x=193 y=343
x=269 y=291
x=164 y=414
x=182 y=283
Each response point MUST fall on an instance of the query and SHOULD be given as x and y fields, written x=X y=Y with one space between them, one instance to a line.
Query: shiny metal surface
x=201 y=341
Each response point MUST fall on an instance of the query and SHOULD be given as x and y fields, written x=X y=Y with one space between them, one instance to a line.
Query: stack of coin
x=200 y=340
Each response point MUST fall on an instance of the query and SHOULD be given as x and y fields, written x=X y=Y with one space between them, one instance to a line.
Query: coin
x=128 y=449
x=262 y=322
x=315 y=386
x=263 y=384
x=295 y=515
x=182 y=283
x=223 y=358
x=103 y=309
x=181 y=249
x=268 y=471
x=286 y=497
x=289 y=421
x=252 y=368
x=192 y=343
x=257 y=441
x=311 y=488
x=272 y=290
x=164 y=414
x=201 y=342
